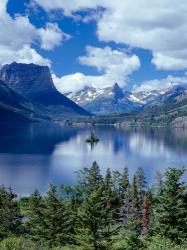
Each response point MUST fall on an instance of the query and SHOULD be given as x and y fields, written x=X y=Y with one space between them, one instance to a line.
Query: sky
x=141 y=44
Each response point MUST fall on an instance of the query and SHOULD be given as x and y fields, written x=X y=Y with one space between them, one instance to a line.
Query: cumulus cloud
x=114 y=62
x=51 y=36
x=159 y=84
x=17 y=35
x=112 y=65
x=159 y=26
x=168 y=62
x=69 y=6
x=23 y=55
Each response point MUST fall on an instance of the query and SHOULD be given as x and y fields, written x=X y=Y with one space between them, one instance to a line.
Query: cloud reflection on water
x=38 y=154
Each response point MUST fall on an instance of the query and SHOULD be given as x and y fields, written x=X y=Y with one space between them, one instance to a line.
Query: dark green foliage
x=108 y=212
x=93 y=178
x=57 y=221
x=10 y=216
x=170 y=216
x=141 y=186
x=95 y=223
x=49 y=219
x=124 y=183
x=35 y=224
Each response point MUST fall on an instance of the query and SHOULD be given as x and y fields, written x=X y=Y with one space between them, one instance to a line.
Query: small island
x=92 y=139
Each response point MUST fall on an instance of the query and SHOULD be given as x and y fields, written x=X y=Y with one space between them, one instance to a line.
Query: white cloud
x=116 y=63
x=113 y=66
x=24 y=55
x=15 y=32
x=51 y=36
x=167 y=62
x=69 y=6
x=17 y=35
x=159 y=84
x=159 y=26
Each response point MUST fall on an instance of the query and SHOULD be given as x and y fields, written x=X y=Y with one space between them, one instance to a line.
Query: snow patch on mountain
x=116 y=99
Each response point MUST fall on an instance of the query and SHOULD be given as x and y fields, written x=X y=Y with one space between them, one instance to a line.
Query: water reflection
x=32 y=156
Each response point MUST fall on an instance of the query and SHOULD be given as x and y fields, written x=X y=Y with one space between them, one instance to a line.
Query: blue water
x=33 y=156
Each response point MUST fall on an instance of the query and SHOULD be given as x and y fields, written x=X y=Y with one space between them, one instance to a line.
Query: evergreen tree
x=170 y=213
x=135 y=198
x=93 y=178
x=57 y=219
x=72 y=199
x=111 y=194
x=129 y=213
x=10 y=215
x=124 y=183
x=126 y=210
x=36 y=217
x=108 y=182
x=141 y=186
x=95 y=223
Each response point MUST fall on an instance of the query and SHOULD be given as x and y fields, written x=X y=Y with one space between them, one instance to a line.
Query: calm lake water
x=33 y=156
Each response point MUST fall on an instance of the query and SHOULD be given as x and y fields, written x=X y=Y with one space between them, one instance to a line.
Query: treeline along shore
x=110 y=212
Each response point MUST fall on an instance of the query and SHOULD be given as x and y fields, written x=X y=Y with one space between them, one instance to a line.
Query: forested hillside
x=162 y=114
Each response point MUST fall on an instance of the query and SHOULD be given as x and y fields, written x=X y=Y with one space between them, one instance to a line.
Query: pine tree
x=129 y=213
x=57 y=219
x=141 y=185
x=124 y=183
x=10 y=215
x=108 y=182
x=125 y=192
x=111 y=194
x=95 y=223
x=126 y=211
x=93 y=178
x=36 y=217
x=170 y=213
x=135 y=197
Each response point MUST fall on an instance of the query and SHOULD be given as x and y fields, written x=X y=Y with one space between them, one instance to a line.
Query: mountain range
x=116 y=100
x=27 y=93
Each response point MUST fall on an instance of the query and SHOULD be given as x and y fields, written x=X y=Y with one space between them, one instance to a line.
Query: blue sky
x=82 y=41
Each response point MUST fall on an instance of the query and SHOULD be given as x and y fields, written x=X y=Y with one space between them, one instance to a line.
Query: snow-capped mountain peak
x=117 y=100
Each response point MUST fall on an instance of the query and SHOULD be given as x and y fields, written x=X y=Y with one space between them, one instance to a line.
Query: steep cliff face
x=35 y=83
x=15 y=107
x=28 y=79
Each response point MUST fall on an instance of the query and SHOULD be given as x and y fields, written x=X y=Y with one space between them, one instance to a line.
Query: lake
x=35 y=155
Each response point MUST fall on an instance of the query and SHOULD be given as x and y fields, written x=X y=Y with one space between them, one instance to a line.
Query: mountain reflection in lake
x=33 y=156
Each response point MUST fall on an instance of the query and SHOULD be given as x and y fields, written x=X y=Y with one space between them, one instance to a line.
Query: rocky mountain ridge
x=116 y=100
x=35 y=83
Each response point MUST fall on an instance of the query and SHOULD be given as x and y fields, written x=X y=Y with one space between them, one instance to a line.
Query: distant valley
x=113 y=105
